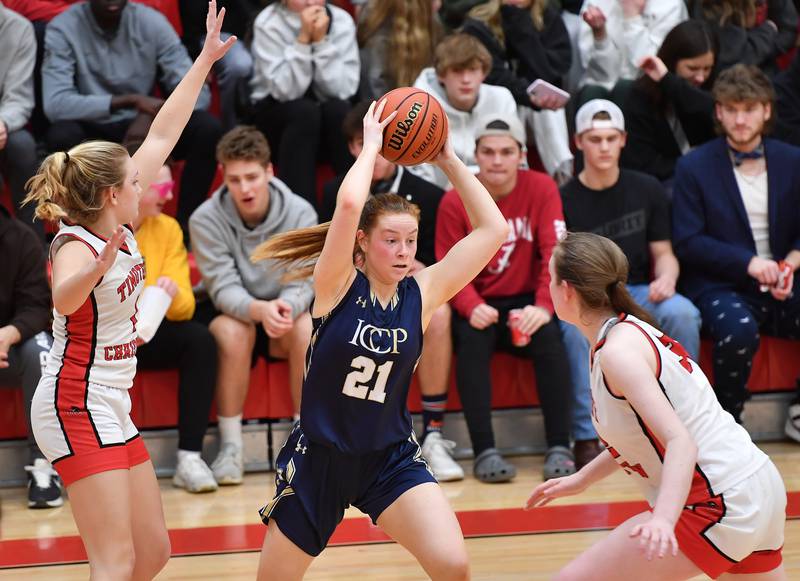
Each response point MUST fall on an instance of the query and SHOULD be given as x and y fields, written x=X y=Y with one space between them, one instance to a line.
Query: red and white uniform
x=734 y=516
x=80 y=409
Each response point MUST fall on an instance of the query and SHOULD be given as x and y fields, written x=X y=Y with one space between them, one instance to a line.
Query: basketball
x=419 y=131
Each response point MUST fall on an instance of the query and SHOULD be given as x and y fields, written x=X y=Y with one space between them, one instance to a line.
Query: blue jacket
x=711 y=233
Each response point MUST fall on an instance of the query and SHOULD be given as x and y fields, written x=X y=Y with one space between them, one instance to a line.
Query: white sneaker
x=44 y=485
x=228 y=468
x=792 y=428
x=194 y=475
x=439 y=454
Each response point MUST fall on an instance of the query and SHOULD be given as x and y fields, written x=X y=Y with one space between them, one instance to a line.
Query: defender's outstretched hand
x=214 y=48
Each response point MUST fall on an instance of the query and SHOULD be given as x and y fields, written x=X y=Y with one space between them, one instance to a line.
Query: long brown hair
x=413 y=37
x=489 y=14
x=597 y=269
x=736 y=12
x=298 y=250
x=71 y=184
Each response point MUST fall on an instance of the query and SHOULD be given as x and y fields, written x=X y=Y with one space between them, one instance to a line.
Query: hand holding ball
x=419 y=131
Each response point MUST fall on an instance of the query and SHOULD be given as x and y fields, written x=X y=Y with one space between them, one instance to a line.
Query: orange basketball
x=418 y=132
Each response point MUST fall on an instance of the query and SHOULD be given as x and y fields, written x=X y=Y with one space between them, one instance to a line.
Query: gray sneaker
x=228 y=468
x=194 y=475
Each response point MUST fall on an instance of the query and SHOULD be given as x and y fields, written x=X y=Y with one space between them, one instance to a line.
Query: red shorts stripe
x=118 y=457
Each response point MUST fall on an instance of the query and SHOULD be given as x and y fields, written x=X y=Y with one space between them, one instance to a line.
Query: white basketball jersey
x=726 y=455
x=97 y=343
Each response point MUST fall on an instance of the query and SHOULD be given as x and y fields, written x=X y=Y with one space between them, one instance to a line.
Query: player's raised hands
x=106 y=258
x=373 y=126
x=214 y=48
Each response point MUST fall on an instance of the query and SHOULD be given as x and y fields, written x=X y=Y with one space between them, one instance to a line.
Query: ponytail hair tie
x=66 y=158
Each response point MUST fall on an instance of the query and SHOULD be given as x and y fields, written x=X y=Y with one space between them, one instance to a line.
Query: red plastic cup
x=518 y=338
x=784 y=275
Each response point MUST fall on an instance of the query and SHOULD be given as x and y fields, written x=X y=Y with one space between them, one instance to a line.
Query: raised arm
x=174 y=114
x=473 y=252
x=335 y=268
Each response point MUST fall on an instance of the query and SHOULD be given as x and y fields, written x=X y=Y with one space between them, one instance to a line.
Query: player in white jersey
x=718 y=504
x=80 y=409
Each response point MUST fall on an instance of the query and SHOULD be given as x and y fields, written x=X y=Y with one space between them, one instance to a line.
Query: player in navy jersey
x=718 y=504
x=80 y=411
x=354 y=444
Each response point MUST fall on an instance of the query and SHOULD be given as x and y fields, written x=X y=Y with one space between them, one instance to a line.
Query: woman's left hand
x=656 y=537
x=213 y=47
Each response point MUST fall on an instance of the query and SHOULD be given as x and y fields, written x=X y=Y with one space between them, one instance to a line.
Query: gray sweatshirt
x=285 y=69
x=84 y=66
x=222 y=246
x=17 y=56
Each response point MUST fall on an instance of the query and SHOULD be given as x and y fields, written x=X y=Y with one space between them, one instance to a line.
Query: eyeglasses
x=164 y=189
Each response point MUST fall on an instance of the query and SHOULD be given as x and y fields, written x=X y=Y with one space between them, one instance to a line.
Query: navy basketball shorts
x=316 y=483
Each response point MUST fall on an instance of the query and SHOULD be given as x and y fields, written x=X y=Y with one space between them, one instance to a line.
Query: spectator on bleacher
x=437 y=350
x=460 y=66
x=306 y=69
x=669 y=109
x=528 y=41
x=516 y=279
x=178 y=341
x=734 y=218
x=17 y=147
x=25 y=339
x=632 y=209
x=397 y=39
x=102 y=62
x=615 y=36
x=753 y=32
x=787 y=103
x=233 y=71
x=252 y=312
x=453 y=12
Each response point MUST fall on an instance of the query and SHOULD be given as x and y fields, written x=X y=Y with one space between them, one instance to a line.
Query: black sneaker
x=44 y=485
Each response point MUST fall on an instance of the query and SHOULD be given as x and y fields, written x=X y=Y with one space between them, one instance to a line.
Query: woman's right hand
x=555 y=488
x=105 y=260
x=653 y=67
x=213 y=47
x=373 y=126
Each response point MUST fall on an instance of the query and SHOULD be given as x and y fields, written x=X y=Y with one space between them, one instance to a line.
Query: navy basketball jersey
x=358 y=369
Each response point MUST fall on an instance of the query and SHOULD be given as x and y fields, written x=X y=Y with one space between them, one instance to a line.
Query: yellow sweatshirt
x=160 y=241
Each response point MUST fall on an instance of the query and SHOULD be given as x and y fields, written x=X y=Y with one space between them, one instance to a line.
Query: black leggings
x=190 y=346
x=295 y=130
x=473 y=350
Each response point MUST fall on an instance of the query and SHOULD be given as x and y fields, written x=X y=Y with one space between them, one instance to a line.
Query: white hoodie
x=463 y=124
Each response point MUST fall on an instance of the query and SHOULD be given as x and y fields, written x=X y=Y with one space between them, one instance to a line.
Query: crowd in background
x=679 y=142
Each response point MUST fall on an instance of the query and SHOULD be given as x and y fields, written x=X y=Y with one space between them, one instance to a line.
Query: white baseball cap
x=501 y=124
x=584 y=119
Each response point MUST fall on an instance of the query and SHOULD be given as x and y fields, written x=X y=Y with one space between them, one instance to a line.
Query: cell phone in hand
x=541 y=88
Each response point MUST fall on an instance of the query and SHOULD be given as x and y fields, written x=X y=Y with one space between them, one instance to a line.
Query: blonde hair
x=598 y=271
x=298 y=250
x=71 y=184
x=489 y=13
x=413 y=36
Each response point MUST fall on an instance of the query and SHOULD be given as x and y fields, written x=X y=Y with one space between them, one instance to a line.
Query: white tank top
x=725 y=453
x=97 y=343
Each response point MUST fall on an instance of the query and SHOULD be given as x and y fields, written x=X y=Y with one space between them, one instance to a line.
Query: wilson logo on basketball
x=403 y=128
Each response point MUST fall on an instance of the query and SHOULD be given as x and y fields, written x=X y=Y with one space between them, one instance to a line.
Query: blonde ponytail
x=71 y=183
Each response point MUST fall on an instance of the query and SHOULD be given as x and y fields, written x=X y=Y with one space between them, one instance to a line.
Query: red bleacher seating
x=155 y=402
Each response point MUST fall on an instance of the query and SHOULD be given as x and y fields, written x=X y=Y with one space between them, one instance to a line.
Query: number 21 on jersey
x=356 y=384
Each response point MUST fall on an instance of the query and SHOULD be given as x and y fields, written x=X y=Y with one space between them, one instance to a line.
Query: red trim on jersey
x=72 y=380
x=652 y=344
x=122 y=456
